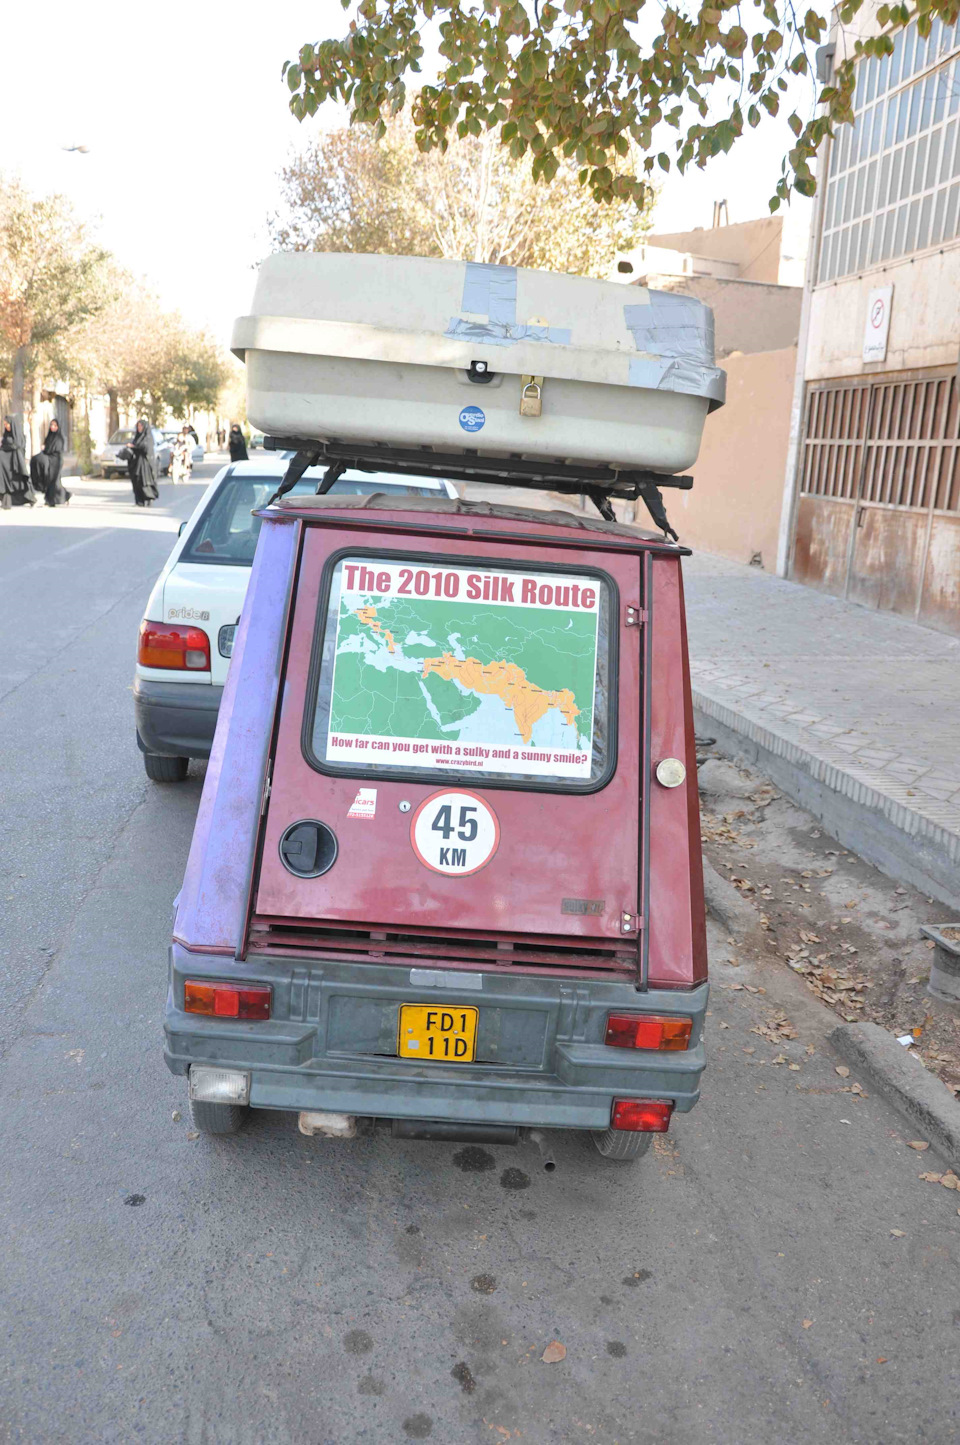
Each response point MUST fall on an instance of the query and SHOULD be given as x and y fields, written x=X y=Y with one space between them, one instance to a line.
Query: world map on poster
x=464 y=670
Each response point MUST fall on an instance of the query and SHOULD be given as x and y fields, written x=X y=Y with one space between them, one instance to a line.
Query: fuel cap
x=308 y=848
x=670 y=772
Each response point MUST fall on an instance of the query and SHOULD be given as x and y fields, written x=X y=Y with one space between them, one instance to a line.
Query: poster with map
x=463 y=668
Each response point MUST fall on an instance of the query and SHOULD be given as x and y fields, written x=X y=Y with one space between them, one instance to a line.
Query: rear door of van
x=459 y=742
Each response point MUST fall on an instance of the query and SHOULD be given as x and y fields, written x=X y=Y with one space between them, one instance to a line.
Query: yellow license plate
x=443 y=1035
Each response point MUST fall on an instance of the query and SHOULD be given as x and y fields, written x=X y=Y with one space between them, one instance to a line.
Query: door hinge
x=267 y=784
x=630 y=922
x=635 y=615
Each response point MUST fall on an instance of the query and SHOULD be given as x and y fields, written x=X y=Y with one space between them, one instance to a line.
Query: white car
x=109 y=463
x=187 y=632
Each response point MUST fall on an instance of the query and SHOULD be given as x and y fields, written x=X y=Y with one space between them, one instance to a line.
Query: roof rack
x=598 y=484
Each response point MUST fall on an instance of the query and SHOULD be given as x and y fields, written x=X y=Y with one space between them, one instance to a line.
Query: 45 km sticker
x=455 y=832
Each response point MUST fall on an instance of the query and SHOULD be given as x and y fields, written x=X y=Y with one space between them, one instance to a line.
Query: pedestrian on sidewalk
x=142 y=465
x=15 y=486
x=46 y=466
x=238 y=447
x=181 y=465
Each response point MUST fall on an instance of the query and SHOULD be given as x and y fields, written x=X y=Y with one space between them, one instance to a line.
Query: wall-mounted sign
x=877 y=327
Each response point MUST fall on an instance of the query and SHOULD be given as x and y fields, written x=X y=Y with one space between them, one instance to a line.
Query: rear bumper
x=331 y=1043
x=176 y=719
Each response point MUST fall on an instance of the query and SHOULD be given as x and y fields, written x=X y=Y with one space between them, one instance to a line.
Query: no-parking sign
x=877 y=327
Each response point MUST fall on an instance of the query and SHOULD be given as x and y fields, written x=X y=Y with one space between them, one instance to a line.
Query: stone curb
x=726 y=906
x=901 y=1077
x=899 y=840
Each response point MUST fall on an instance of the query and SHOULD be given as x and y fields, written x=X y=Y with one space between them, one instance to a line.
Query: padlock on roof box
x=415 y=353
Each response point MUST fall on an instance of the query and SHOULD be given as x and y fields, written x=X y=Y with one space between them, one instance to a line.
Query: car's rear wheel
x=165 y=770
x=621 y=1145
x=218 y=1118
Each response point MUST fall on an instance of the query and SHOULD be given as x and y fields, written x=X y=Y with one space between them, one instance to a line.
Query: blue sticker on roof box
x=472 y=418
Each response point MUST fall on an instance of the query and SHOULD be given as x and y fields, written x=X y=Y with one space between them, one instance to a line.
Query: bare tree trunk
x=20 y=358
x=113 y=419
x=33 y=425
x=486 y=175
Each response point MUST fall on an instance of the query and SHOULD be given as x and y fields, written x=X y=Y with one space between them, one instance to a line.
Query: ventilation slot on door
x=421 y=949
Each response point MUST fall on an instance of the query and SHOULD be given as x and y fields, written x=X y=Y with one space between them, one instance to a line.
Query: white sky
x=188 y=96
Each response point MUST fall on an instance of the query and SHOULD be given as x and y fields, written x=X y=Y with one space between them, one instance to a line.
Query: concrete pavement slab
x=855 y=718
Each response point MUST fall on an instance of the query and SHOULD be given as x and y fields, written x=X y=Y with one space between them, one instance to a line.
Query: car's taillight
x=648 y=1031
x=641 y=1116
x=225 y=1001
x=171 y=644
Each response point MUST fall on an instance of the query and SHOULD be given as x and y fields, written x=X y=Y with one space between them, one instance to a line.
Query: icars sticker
x=455 y=832
x=364 y=804
x=472 y=418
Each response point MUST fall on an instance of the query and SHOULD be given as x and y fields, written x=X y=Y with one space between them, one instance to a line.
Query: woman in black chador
x=15 y=488
x=238 y=447
x=142 y=466
x=46 y=466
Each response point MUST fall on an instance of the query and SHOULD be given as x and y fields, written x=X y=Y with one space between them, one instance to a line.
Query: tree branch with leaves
x=350 y=192
x=594 y=83
x=53 y=279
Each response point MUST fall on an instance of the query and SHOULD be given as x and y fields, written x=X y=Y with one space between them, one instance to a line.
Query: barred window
x=893 y=442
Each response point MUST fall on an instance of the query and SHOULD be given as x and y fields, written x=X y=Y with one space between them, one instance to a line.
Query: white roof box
x=463 y=357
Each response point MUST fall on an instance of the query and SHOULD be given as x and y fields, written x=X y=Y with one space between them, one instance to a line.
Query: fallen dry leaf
x=193 y=1134
x=932 y=1178
x=898 y=1233
x=554 y=1352
x=881 y=1359
x=917 y=1144
x=806 y=1323
x=950 y=1181
x=843 y=1071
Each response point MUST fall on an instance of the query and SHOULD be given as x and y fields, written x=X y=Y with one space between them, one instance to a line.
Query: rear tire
x=165 y=770
x=217 y=1118
x=621 y=1145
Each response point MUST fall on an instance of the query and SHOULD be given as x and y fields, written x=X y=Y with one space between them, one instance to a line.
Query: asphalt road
x=774 y=1270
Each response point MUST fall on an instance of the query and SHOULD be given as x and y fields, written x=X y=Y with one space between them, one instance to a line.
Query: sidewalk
x=855 y=714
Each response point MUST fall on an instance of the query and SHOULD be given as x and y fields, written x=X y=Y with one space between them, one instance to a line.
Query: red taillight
x=224 y=1001
x=171 y=644
x=643 y=1116
x=648 y=1031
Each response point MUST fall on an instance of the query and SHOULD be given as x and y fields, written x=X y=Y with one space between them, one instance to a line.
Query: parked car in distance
x=170 y=435
x=111 y=466
x=256 y=440
x=187 y=632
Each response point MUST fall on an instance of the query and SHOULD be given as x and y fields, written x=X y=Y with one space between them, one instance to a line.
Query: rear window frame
x=391 y=773
x=207 y=559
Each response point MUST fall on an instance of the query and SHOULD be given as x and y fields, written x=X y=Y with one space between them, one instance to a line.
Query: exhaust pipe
x=546 y=1153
